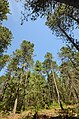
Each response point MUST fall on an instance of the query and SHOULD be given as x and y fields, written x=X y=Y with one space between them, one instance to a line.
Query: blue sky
x=34 y=31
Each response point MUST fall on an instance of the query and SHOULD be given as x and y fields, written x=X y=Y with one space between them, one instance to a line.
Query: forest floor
x=53 y=113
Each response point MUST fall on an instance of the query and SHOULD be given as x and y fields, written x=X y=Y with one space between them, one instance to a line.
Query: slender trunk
x=14 y=109
x=51 y=92
x=73 y=89
x=3 y=92
x=24 y=93
x=74 y=64
x=77 y=20
x=16 y=100
x=20 y=78
x=56 y=87
x=59 y=101
x=50 y=88
x=70 y=38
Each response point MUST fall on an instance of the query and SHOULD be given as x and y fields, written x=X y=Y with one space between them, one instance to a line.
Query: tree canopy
x=5 y=39
x=63 y=21
x=5 y=33
x=39 y=85
x=4 y=10
x=62 y=18
x=44 y=7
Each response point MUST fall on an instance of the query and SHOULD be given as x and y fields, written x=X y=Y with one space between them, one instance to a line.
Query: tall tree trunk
x=56 y=86
x=14 y=109
x=73 y=87
x=59 y=101
x=24 y=92
x=70 y=39
x=77 y=20
x=50 y=88
x=16 y=100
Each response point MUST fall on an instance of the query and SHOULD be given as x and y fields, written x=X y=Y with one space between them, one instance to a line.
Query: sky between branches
x=34 y=31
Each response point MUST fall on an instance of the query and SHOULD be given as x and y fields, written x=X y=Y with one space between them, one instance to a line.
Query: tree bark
x=56 y=87
x=59 y=101
x=69 y=38
x=14 y=109
x=51 y=89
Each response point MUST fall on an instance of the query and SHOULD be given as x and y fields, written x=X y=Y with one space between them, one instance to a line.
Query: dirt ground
x=44 y=114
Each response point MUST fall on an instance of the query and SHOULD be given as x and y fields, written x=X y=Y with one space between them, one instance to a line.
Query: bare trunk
x=14 y=109
x=50 y=87
x=56 y=87
x=16 y=100
x=20 y=77
x=77 y=20
x=59 y=101
x=70 y=38
x=24 y=93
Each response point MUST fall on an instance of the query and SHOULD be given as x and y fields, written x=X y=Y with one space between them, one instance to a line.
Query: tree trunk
x=56 y=87
x=24 y=92
x=14 y=109
x=70 y=39
x=50 y=88
x=73 y=87
x=77 y=20
x=15 y=104
x=59 y=101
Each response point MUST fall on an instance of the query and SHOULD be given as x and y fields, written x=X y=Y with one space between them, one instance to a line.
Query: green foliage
x=22 y=58
x=5 y=39
x=36 y=8
x=4 y=9
x=37 y=92
x=69 y=73
x=17 y=74
x=5 y=33
x=9 y=96
x=38 y=66
x=50 y=69
x=49 y=64
x=3 y=60
x=62 y=22
x=62 y=18
x=25 y=54
x=45 y=85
